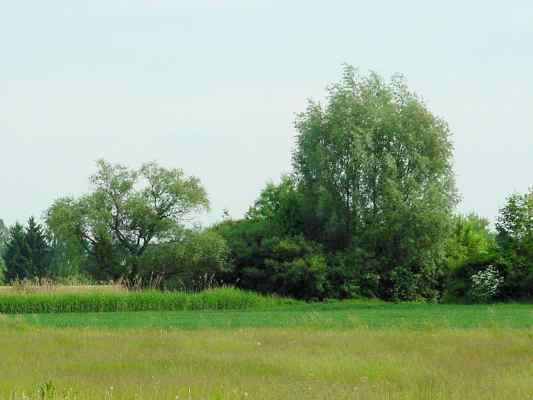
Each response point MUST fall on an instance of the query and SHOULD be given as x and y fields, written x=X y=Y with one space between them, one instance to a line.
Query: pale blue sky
x=213 y=86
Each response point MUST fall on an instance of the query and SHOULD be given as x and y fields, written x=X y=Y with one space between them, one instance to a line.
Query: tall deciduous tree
x=127 y=210
x=375 y=168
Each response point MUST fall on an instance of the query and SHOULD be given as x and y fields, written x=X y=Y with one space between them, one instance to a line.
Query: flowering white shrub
x=485 y=284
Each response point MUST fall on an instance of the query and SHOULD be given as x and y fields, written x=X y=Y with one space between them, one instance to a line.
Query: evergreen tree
x=27 y=254
x=16 y=254
x=39 y=259
x=4 y=233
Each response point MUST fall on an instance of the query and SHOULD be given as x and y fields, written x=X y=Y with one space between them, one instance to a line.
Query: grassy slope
x=328 y=315
x=267 y=363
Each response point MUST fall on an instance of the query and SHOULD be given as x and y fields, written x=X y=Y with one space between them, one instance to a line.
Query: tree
x=127 y=211
x=265 y=261
x=471 y=240
x=515 y=238
x=4 y=233
x=470 y=250
x=196 y=260
x=39 y=257
x=16 y=254
x=27 y=255
x=279 y=207
x=375 y=170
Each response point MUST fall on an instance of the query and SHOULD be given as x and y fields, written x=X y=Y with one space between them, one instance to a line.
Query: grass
x=265 y=348
x=149 y=300
x=266 y=363
x=31 y=287
x=337 y=315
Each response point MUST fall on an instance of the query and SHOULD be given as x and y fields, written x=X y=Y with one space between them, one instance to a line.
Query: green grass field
x=337 y=350
x=336 y=315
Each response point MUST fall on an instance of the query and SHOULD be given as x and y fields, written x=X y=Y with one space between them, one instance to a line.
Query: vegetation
x=368 y=211
x=108 y=301
x=4 y=233
x=265 y=363
x=374 y=170
x=127 y=211
x=321 y=316
x=27 y=254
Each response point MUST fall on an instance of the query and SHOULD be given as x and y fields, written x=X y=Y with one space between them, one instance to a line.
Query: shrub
x=485 y=284
x=352 y=274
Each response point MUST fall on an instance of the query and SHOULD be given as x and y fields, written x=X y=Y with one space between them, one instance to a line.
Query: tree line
x=368 y=210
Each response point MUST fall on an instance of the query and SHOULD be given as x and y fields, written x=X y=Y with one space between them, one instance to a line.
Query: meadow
x=270 y=348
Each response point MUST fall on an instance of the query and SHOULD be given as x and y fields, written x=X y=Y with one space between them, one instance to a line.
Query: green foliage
x=27 y=255
x=151 y=300
x=2 y=269
x=351 y=274
x=127 y=211
x=515 y=239
x=196 y=261
x=287 y=265
x=280 y=208
x=470 y=249
x=4 y=235
x=374 y=168
x=367 y=211
x=470 y=240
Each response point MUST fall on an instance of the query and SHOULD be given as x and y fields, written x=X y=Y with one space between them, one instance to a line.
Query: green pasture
x=342 y=315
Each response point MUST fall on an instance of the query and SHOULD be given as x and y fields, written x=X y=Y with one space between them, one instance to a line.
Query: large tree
x=127 y=210
x=375 y=169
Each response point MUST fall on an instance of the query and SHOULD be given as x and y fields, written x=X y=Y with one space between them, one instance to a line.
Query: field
x=336 y=350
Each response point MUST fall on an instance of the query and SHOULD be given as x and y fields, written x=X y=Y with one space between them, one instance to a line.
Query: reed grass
x=147 y=300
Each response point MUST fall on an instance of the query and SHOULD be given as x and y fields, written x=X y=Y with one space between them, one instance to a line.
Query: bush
x=351 y=274
x=296 y=268
x=265 y=262
x=485 y=284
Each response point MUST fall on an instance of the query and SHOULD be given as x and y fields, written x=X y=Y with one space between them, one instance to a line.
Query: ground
x=326 y=351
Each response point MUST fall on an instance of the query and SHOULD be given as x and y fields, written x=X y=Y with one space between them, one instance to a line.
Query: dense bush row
x=145 y=300
x=369 y=210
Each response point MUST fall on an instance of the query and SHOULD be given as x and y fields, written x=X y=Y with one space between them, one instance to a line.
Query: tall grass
x=148 y=300
x=265 y=363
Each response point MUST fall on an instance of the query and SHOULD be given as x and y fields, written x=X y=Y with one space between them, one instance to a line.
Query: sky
x=213 y=87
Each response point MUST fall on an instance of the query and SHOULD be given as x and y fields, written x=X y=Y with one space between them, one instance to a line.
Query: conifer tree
x=27 y=254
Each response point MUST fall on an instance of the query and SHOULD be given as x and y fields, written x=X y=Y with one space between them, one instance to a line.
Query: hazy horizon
x=212 y=87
